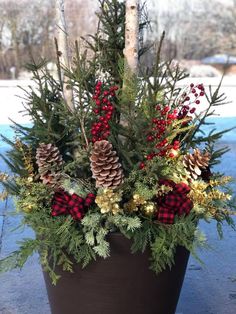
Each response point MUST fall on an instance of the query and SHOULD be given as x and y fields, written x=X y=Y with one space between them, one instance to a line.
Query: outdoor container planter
x=114 y=173
x=122 y=283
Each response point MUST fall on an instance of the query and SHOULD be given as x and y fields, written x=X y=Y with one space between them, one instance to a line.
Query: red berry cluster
x=104 y=110
x=158 y=135
x=190 y=98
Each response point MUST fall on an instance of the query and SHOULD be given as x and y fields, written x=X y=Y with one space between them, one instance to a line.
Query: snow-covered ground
x=228 y=88
x=11 y=103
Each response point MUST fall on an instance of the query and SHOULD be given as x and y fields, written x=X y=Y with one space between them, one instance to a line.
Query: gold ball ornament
x=28 y=208
x=149 y=208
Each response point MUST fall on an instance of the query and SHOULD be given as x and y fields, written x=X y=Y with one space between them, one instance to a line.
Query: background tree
x=27 y=27
x=27 y=30
x=189 y=34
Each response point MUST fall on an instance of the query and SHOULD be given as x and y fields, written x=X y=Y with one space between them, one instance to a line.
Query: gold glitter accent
x=108 y=201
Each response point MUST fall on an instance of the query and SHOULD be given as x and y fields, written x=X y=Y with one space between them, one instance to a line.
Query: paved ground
x=209 y=289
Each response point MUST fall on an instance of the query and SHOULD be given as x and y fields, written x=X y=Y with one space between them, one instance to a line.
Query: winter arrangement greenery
x=129 y=156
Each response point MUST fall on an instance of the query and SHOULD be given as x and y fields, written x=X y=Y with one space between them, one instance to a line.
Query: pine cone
x=105 y=165
x=196 y=162
x=49 y=161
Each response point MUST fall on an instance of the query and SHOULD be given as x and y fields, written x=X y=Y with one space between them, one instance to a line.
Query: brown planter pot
x=121 y=284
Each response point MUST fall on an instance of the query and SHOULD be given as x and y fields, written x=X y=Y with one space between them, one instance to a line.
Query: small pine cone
x=196 y=162
x=49 y=161
x=105 y=165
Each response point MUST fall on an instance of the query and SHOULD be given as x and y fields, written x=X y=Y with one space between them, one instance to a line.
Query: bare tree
x=26 y=30
x=195 y=29
x=28 y=26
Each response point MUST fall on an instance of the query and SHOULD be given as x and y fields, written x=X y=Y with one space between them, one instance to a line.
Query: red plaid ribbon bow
x=174 y=202
x=66 y=204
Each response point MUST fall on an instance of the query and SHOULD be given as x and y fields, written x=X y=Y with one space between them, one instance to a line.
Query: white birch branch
x=63 y=45
x=131 y=35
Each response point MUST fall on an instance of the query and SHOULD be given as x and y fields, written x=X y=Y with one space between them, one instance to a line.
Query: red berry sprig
x=158 y=134
x=104 y=109
x=161 y=125
x=190 y=98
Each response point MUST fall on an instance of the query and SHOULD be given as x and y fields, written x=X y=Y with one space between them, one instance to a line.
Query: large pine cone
x=49 y=161
x=196 y=162
x=105 y=165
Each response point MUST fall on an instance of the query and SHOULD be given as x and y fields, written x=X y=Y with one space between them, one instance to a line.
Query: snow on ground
x=11 y=103
x=228 y=88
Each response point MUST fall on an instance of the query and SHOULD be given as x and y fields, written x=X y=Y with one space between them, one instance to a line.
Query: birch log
x=131 y=36
x=63 y=45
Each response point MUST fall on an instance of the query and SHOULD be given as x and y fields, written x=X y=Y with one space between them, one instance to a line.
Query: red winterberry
x=170 y=116
x=141 y=165
x=167 y=108
x=150 y=138
x=107 y=133
x=96 y=111
x=149 y=157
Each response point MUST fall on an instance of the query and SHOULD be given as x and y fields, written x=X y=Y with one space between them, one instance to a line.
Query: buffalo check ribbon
x=175 y=202
x=65 y=204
